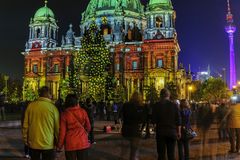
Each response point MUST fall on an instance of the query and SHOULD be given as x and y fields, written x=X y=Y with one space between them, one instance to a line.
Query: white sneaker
x=27 y=156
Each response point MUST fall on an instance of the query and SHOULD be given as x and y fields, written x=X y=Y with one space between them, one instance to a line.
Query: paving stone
x=109 y=146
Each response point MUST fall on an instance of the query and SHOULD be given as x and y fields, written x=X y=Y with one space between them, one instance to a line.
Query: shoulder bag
x=79 y=123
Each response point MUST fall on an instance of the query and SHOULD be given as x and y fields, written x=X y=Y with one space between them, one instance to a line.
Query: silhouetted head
x=165 y=93
x=136 y=98
x=71 y=100
x=44 y=92
x=88 y=100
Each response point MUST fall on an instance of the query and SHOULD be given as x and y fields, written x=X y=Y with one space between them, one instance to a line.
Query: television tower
x=231 y=29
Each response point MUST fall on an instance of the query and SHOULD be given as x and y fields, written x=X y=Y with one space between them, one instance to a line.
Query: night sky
x=200 y=27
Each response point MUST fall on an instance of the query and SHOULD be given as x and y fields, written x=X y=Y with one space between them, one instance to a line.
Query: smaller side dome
x=44 y=12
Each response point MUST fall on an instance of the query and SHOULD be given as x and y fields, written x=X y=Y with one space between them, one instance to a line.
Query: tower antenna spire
x=229 y=8
x=229 y=14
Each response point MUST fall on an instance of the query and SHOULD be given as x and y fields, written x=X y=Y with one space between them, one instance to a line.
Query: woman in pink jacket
x=74 y=129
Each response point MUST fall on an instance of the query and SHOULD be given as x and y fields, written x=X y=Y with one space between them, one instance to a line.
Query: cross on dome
x=45 y=2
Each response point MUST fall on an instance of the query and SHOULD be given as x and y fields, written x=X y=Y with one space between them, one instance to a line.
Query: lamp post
x=234 y=89
x=6 y=86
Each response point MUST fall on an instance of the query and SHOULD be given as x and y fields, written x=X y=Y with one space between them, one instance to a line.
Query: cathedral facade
x=142 y=41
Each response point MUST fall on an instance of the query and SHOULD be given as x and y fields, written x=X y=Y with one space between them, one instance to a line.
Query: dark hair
x=88 y=100
x=164 y=93
x=137 y=98
x=71 y=100
x=43 y=92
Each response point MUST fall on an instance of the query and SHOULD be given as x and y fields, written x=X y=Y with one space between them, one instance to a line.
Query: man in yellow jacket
x=41 y=126
x=234 y=127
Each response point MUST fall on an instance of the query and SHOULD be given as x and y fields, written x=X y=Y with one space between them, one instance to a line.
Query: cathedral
x=142 y=41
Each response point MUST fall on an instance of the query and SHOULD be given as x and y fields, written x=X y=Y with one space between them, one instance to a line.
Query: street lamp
x=6 y=86
x=234 y=89
x=189 y=92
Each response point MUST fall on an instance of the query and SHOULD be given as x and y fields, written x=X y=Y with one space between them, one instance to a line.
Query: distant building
x=143 y=45
x=203 y=75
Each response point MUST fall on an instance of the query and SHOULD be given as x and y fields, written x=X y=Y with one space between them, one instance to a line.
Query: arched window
x=35 y=68
x=129 y=34
x=134 y=65
x=56 y=68
x=106 y=29
x=159 y=63
x=38 y=33
x=158 y=22
x=52 y=34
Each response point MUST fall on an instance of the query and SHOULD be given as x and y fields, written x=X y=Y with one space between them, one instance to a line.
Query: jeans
x=27 y=150
x=133 y=143
x=77 y=155
x=234 y=138
x=163 y=143
x=183 y=149
x=91 y=133
x=2 y=112
x=37 y=154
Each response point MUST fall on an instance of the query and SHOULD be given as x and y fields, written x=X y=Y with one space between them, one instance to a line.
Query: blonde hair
x=184 y=104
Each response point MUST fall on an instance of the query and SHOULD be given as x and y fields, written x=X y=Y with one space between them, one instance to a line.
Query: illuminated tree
x=30 y=94
x=214 y=90
x=152 y=95
x=174 y=90
x=14 y=97
x=92 y=61
x=64 y=88
x=119 y=94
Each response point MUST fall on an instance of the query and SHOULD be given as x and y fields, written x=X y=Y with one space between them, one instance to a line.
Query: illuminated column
x=132 y=86
x=232 y=62
x=138 y=85
x=231 y=29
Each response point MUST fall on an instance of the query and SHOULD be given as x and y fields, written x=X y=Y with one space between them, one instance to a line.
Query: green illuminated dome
x=44 y=12
x=159 y=1
x=160 y=4
x=109 y=7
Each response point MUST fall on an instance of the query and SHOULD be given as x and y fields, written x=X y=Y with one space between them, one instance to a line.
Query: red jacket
x=73 y=135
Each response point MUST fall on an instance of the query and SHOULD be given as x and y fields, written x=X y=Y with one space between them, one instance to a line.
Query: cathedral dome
x=159 y=1
x=131 y=5
x=160 y=4
x=44 y=12
x=111 y=7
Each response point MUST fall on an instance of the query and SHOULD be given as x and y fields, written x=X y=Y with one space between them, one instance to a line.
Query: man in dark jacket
x=167 y=118
x=89 y=108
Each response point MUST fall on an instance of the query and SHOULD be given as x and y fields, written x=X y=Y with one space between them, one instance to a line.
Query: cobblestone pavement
x=109 y=146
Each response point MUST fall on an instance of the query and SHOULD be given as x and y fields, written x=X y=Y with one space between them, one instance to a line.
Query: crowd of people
x=68 y=125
